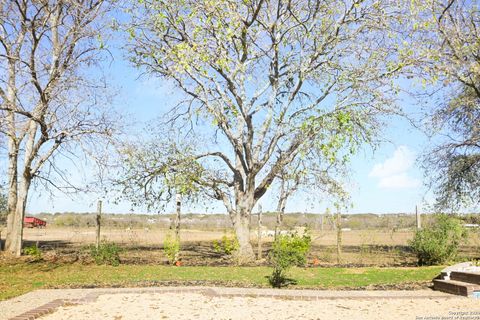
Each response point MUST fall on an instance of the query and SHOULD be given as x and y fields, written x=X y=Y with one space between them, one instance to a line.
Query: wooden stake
x=178 y=200
x=419 y=220
x=98 y=221
x=339 y=237
x=259 y=249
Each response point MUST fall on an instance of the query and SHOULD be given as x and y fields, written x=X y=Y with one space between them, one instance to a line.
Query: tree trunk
x=282 y=203
x=15 y=237
x=12 y=190
x=280 y=213
x=14 y=241
x=242 y=231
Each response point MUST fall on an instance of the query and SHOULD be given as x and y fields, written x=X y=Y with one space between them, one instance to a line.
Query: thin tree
x=268 y=82
x=289 y=184
x=49 y=105
x=313 y=181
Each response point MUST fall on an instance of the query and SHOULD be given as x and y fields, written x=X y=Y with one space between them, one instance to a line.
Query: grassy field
x=19 y=278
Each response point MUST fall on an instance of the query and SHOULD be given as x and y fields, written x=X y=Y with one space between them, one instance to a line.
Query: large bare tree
x=268 y=83
x=50 y=96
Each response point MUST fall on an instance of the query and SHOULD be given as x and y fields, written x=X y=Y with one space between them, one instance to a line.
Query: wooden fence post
x=259 y=248
x=418 y=218
x=98 y=222
x=178 y=200
x=339 y=237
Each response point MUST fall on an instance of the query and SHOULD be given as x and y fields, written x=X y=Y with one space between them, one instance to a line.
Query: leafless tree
x=51 y=95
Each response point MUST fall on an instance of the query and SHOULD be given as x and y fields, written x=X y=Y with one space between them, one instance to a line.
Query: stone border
x=40 y=311
x=53 y=305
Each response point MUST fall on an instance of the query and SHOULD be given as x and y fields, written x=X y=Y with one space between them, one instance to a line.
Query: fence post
x=178 y=200
x=419 y=220
x=339 y=237
x=98 y=222
x=259 y=248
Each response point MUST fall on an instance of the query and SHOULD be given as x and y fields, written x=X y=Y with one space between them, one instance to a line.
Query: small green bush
x=171 y=248
x=438 y=243
x=226 y=245
x=33 y=251
x=287 y=251
x=106 y=253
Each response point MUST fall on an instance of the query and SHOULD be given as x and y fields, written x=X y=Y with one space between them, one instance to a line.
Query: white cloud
x=393 y=172
x=402 y=180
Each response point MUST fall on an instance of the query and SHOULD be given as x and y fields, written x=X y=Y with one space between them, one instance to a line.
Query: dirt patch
x=361 y=248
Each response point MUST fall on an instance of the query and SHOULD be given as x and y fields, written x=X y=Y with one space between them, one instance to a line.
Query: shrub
x=287 y=251
x=226 y=245
x=171 y=247
x=33 y=251
x=106 y=253
x=439 y=242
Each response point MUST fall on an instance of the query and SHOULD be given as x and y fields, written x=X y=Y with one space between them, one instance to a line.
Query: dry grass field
x=155 y=237
x=144 y=245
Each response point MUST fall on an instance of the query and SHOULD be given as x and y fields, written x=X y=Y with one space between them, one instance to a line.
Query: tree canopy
x=270 y=82
x=446 y=35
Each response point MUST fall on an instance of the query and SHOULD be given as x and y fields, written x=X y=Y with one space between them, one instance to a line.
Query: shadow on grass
x=280 y=281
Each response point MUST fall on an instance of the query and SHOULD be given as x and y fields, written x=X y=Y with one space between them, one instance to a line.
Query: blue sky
x=386 y=180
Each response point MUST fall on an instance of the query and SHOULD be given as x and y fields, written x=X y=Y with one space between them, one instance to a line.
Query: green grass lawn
x=18 y=279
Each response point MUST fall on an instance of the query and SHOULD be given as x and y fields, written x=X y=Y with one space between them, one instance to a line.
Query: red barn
x=32 y=222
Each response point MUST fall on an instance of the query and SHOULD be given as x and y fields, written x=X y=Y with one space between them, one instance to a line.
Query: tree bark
x=282 y=203
x=242 y=231
x=12 y=193
x=14 y=242
x=12 y=171
x=280 y=212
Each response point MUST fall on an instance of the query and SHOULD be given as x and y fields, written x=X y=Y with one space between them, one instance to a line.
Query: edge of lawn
x=18 y=279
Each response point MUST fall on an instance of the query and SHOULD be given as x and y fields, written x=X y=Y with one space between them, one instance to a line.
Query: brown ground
x=156 y=236
x=359 y=247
